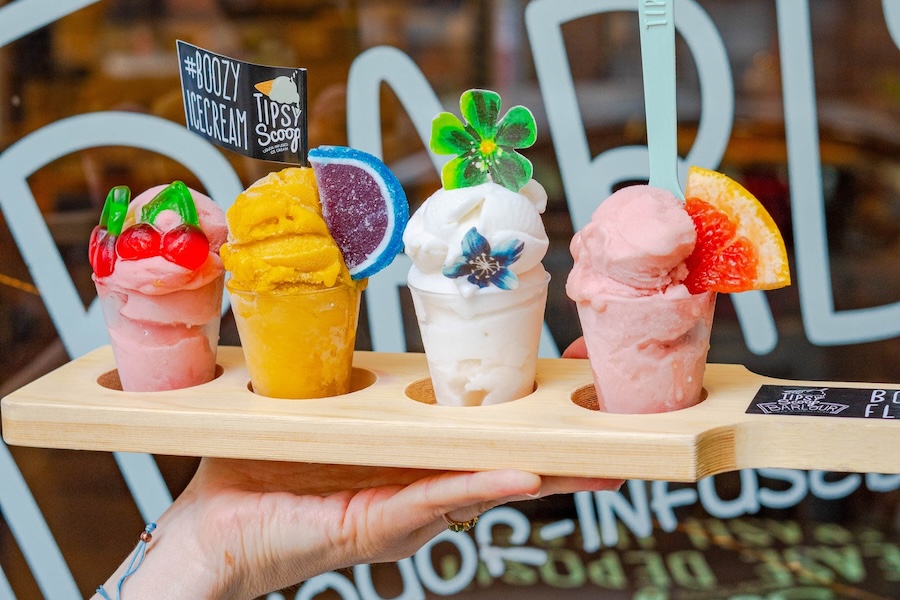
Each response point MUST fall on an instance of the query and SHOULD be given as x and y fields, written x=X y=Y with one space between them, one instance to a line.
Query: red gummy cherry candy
x=102 y=252
x=186 y=245
x=92 y=244
x=141 y=240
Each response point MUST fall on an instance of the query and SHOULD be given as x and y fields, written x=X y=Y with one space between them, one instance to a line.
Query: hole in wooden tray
x=110 y=380
x=423 y=391
x=586 y=397
x=360 y=379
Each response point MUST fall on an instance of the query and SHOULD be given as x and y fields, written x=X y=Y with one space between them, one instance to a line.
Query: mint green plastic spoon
x=657 y=19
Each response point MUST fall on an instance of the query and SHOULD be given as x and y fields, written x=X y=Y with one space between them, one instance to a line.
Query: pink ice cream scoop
x=647 y=336
x=635 y=245
x=159 y=280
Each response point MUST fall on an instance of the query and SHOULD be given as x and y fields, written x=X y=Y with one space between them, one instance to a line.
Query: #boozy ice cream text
x=217 y=77
x=254 y=110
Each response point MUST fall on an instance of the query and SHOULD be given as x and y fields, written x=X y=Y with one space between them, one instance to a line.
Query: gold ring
x=460 y=527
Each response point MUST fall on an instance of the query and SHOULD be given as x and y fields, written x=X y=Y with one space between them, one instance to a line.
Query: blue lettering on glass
x=779 y=499
x=823 y=325
x=635 y=515
x=878 y=482
x=613 y=508
x=82 y=330
x=367 y=73
x=79 y=330
x=585 y=510
x=328 y=581
x=6 y=592
x=820 y=487
x=495 y=557
x=588 y=179
x=412 y=586
x=468 y=555
x=892 y=19
x=665 y=500
x=746 y=503
x=22 y=17
x=32 y=534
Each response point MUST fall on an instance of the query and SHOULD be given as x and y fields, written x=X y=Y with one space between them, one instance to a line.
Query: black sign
x=826 y=402
x=254 y=110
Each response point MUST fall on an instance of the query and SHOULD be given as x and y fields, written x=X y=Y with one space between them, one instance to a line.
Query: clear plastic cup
x=166 y=341
x=648 y=354
x=482 y=349
x=299 y=345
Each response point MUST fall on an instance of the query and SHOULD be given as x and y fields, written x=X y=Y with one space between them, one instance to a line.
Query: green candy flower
x=484 y=146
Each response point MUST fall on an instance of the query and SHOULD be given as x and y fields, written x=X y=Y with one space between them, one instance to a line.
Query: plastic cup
x=482 y=349
x=300 y=345
x=648 y=354
x=166 y=341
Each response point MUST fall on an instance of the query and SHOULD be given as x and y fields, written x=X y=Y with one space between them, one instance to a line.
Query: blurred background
x=120 y=55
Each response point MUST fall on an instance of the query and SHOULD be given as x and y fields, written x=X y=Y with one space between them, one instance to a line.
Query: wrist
x=176 y=565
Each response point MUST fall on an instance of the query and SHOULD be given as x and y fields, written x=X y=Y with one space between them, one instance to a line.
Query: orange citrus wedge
x=739 y=247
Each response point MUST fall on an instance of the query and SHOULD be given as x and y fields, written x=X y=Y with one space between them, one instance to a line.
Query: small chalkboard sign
x=255 y=110
x=826 y=402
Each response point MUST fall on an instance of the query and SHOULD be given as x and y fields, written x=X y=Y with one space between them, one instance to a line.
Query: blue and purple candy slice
x=364 y=206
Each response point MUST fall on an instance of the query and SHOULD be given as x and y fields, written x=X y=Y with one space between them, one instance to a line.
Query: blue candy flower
x=482 y=266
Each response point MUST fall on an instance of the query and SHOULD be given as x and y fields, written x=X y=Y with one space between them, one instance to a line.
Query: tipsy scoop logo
x=254 y=110
x=827 y=402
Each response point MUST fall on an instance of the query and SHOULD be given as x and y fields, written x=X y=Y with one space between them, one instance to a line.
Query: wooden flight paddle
x=389 y=419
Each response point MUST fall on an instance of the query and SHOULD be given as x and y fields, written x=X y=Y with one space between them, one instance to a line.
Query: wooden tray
x=390 y=420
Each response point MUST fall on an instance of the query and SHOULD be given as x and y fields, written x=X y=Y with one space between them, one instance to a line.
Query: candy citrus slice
x=739 y=247
x=364 y=206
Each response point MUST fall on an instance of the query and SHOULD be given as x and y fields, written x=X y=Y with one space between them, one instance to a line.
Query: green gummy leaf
x=176 y=196
x=517 y=129
x=449 y=135
x=114 y=209
x=481 y=108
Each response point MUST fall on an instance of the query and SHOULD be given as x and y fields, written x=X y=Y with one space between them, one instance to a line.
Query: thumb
x=577 y=349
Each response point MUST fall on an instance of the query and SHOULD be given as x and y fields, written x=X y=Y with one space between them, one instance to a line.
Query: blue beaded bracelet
x=136 y=561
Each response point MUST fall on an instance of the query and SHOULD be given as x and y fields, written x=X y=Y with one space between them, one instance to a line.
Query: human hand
x=577 y=349
x=245 y=528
